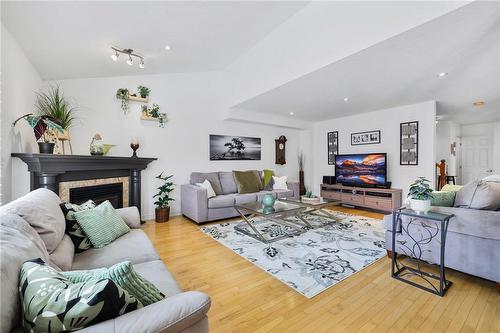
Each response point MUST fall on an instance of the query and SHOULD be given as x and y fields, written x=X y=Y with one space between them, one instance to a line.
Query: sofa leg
x=389 y=255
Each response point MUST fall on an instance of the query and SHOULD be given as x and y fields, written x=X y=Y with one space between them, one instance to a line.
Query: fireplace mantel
x=48 y=170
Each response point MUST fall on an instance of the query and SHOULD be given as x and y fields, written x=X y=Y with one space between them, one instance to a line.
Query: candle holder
x=134 y=144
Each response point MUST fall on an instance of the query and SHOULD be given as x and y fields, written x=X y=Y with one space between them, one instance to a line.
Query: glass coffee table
x=315 y=208
x=279 y=228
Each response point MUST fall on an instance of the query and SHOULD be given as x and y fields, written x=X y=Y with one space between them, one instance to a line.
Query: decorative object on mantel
x=420 y=195
x=127 y=52
x=365 y=138
x=162 y=210
x=301 y=160
x=332 y=139
x=134 y=144
x=153 y=114
x=408 y=144
x=42 y=125
x=106 y=148
x=96 y=145
x=279 y=148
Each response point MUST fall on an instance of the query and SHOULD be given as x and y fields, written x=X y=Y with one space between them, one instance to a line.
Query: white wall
x=19 y=82
x=387 y=121
x=448 y=132
x=195 y=104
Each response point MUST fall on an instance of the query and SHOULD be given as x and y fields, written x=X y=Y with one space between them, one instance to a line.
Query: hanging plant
x=123 y=95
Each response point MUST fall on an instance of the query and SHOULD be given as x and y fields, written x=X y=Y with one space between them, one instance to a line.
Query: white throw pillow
x=280 y=183
x=206 y=185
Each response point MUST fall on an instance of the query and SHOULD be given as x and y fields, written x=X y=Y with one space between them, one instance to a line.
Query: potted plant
x=41 y=126
x=123 y=95
x=420 y=194
x=144 y=91
x=162 y=211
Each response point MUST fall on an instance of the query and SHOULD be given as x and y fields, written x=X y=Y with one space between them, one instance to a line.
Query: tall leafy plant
x=53 y=105
x=420 y=189
x=163 y=195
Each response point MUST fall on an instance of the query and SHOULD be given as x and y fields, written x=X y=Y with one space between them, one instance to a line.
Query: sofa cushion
x=244 y=198
x=247 y=181
x=267 y=179
x=212 y=177
x=479 y=195
x=80 y=240
x=261 y=194
x=227 y=182
x=19 y=242
x=279 y=183
x=62 y=256
x=451 y=188
x=443 y=198
x=156 y=273
x=134 y=246
x=51 y=303
x=221 y=201
x=40 y=208
x=207 y=186
x=283 y=193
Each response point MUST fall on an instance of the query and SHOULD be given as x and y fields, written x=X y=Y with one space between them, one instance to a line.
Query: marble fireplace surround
x=59 y=173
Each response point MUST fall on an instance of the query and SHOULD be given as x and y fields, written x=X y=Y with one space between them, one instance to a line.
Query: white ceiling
x=67 y=39
x=403 y=70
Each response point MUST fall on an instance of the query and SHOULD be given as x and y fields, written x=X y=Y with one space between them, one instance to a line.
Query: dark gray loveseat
x=196 y=205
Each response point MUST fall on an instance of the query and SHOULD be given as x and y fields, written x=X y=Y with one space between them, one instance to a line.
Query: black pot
x=46 y=147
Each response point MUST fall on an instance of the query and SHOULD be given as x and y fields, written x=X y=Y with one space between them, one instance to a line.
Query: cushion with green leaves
x=102 y=225
x=52 y=303
x=73 y=229
x=125 y=276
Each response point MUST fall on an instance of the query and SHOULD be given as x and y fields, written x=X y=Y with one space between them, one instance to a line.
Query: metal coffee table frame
x=312 y=208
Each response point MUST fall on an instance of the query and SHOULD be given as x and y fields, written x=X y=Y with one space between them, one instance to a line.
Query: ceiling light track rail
x=127 y=52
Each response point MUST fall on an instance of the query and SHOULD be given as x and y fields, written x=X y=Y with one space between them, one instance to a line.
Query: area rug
x=315 y=260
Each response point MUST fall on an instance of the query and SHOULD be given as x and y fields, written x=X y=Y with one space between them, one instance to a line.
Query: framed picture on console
x=332 y=141
x=365 y=138
x=408 y=151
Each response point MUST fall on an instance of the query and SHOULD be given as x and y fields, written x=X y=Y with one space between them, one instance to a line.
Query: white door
x=477 y=157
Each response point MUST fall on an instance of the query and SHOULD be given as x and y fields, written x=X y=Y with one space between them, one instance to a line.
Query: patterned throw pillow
x=73 y=229
x=102 y=225
x=442 y=198
x=52 y=303
x=124 y=275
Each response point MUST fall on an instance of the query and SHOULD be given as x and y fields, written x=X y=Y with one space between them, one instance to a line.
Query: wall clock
x=280 y=150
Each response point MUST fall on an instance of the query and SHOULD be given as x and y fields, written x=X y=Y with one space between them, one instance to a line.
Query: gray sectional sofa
x=33 y=227
x=196 y=206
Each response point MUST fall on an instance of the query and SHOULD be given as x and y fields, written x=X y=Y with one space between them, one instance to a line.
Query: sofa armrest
x=172 y=314
x=295 y=187
x=194 y=202
x=131 y=216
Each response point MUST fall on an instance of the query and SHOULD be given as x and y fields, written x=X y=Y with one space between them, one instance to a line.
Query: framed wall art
x=408 y=152
x=365 y=138
x=332 y=139
x=226 y=148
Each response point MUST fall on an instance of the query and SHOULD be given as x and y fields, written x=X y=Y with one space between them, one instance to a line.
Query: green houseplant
x=40 y=125
x=53 y=104
x=123 y=95
x=420 y=195
x=144 y=91
x=162 y=211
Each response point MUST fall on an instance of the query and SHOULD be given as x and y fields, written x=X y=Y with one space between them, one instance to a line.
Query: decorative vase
x=46 y=147
x=268 y=200
x=162 y=214
x=302 y=188
x=420 y=206
x=268 y=210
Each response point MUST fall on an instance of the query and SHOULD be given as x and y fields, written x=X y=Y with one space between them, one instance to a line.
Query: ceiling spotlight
x=130 y=61
x=115 y=56
x=291 y=113
x=131 y=55
x=167 y=47
x=141 y=64
x=442 y=74
x=346 y=99
x=478 y=103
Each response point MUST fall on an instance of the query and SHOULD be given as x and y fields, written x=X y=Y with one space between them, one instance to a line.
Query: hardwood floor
x=247 y=299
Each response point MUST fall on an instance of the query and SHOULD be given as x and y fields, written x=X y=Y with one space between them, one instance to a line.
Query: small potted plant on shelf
x=162 y=211
x=43 y=128
x=123 y=95
x=144 y=91
x=420 y=195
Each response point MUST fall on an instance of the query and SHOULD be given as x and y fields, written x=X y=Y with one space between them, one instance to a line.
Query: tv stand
x=375 y=198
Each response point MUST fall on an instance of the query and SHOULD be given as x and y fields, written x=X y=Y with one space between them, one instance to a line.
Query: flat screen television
x=364 y=170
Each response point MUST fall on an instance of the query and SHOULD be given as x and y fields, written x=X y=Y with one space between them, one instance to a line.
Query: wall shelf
x=149 y=118
x=138 y=99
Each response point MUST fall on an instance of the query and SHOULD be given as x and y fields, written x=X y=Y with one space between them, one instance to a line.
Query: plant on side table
x=420 y=195
x=41 y=126
x=162 y=211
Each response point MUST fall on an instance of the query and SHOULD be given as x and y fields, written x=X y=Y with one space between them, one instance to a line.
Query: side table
x=439 y=228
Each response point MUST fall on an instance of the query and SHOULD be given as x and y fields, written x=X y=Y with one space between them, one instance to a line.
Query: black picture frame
x=408 y=143
x=372 y=137
x=234 y=148
x=332 y=146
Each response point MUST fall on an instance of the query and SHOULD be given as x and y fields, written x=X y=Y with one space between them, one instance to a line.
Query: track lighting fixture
x=130 y=53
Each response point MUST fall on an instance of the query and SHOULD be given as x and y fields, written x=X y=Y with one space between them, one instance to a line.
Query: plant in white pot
x=420 y=194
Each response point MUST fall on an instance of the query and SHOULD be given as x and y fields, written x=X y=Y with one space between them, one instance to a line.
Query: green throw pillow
x=247 y=181
x=123 y=275
x=73 y=229
x=451 y=188
x=102 y=225
x=52 y=303
x=267 y=179
x=443 y=199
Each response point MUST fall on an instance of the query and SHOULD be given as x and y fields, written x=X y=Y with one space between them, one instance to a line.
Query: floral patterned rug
x=315 y=260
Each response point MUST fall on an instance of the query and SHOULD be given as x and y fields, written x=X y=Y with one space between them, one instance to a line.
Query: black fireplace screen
x=98 y=193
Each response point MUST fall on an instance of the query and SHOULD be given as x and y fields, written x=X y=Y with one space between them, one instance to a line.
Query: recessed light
x=291 y=113
x=442 y=74
x=478 y=103
x=167 y=47
x=346 y=99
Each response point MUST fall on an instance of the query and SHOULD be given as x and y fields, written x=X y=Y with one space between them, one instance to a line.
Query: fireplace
x=98 y=193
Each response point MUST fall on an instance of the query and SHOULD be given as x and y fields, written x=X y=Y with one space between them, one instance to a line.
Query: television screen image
x=361 y=169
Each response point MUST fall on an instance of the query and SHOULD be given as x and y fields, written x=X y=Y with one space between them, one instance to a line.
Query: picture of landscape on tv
x=361 y=169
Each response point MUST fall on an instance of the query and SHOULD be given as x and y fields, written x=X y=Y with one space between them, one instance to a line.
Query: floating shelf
x=148 y=118
x=138 y=99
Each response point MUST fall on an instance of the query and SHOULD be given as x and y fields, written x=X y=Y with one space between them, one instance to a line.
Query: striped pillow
x=102 y=225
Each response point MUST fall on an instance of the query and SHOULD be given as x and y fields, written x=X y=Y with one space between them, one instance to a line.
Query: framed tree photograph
x=332 y=139
x=408 y=151
x=225 y=147
x=365 y=138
